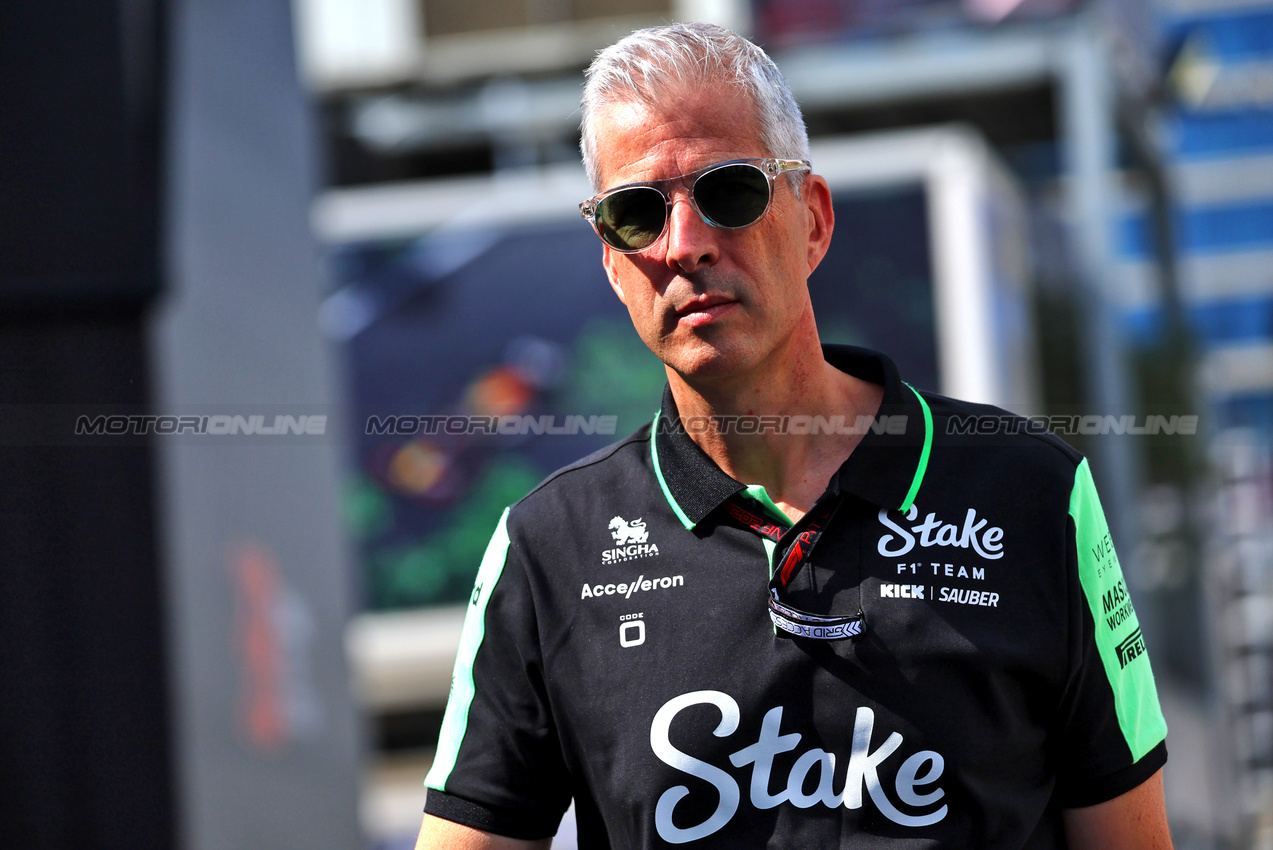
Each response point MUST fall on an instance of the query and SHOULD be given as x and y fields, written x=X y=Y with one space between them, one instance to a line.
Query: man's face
x=711 y=303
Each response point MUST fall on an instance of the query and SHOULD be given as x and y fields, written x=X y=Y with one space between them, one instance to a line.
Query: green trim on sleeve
x=922 y=466
x=658 y=473
x=1118 y=639
x=456 y=719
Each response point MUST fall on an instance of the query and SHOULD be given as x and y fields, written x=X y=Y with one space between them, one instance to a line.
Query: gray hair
x=651 y=64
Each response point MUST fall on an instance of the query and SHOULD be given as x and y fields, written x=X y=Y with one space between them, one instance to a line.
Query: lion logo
x=625 y=532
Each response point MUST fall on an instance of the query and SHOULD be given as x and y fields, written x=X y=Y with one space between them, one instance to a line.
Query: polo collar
x=886 y=469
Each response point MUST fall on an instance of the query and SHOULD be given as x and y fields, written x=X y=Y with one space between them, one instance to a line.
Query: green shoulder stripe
x=1118 y=638
x=456 y=719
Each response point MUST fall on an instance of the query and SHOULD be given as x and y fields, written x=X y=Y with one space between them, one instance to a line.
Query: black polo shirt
x=618 y=649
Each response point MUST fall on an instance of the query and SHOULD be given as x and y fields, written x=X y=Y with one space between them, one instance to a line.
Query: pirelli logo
x=1131 y=648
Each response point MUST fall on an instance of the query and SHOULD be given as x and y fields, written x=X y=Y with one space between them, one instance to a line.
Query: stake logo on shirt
x=914 y=784
x=972 y=533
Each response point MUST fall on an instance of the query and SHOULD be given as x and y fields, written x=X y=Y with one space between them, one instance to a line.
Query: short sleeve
x=1112 y=734
x=499 y=766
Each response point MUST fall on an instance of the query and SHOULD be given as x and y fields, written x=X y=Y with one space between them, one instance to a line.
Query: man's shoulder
x=1002 y=457
x=985 y=427
x=1006 y=468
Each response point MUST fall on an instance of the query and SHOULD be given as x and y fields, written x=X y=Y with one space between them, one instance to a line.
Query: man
x=798 y=610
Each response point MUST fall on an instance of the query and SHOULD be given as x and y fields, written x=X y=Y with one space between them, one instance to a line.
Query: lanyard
x=790 y=620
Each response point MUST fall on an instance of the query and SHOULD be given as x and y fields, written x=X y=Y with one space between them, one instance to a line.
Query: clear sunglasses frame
x=770 y=167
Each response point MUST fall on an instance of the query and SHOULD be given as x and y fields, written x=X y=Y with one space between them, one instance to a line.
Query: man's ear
x=610 y=260
x=817 y=198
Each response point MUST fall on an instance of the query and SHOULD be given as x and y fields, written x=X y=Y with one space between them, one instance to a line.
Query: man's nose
x=691 y=242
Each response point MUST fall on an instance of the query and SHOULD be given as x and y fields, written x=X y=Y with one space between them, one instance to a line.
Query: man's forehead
x=633 y=134
x=628 y=113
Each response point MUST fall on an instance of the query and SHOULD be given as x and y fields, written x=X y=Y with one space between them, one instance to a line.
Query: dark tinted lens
x=632 y=219
x=733 y=196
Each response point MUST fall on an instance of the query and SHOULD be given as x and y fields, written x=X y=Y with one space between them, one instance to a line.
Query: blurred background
x=259 y=256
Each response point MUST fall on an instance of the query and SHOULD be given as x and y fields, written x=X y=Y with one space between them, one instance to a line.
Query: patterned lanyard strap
x=791 y=620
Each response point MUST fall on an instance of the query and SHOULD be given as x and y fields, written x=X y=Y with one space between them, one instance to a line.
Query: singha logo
x=630 y=541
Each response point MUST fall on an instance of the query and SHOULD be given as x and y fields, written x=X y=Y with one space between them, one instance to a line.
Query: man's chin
x=706 y=363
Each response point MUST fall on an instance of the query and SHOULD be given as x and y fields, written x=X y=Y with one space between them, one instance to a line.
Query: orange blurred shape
x=416 y=467
x=500 y=392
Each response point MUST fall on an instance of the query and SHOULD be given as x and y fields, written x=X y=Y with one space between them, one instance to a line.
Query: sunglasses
x=730 y=194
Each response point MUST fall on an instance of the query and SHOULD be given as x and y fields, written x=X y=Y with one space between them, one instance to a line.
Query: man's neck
x=793 y=468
